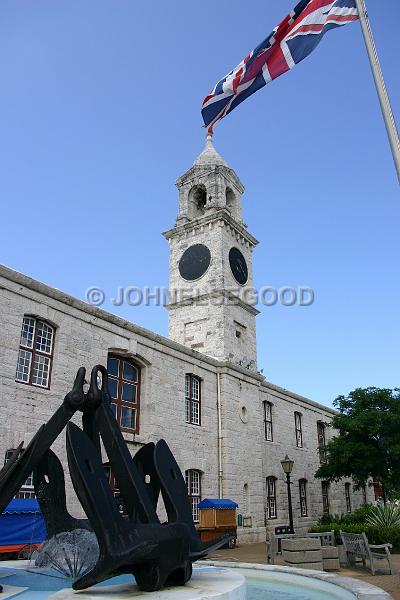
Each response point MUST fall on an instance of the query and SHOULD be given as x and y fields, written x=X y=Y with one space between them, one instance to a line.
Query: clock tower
x=211 y=300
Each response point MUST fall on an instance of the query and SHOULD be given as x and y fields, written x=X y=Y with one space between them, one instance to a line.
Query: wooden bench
x=356 y=545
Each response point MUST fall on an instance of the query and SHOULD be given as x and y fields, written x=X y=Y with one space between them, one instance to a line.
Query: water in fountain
x=71 y=553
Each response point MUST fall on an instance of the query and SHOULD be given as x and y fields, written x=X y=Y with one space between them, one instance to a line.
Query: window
x=192 y=399
x=246 y=499
x=297 y=426
x=35 y=355
x=325 y=497
x=347 y=489
x=303 y=497
x=27 y=490
x=321 y=442
x=114 y=487
x=193 y=484
x=271 y=498
x=124 y=386
x=268 y=421
x=364 y=494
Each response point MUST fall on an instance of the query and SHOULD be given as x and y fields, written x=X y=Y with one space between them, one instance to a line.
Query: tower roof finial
x=209 y=156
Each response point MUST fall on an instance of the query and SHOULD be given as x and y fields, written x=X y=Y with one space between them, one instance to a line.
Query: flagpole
x=380 y=84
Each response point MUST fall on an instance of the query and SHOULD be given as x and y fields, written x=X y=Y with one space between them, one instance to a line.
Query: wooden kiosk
x=217 y=517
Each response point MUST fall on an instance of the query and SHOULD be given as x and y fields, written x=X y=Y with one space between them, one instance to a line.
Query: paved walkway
x=255 y=553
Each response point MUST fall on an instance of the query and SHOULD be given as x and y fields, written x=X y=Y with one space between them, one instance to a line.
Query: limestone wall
x=85 y=335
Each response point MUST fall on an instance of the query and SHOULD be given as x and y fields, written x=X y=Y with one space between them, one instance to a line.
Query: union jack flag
x=294 y=39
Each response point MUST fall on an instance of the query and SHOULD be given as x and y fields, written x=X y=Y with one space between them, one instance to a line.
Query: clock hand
x=239 y=265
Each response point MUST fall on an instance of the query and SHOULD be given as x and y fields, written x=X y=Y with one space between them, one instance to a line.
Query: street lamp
x=287 y=466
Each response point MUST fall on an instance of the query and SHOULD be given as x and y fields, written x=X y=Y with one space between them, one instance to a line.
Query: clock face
x=194 y=262
x=238 y=265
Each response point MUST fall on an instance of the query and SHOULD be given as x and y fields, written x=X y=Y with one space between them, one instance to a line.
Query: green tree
x=367 y=443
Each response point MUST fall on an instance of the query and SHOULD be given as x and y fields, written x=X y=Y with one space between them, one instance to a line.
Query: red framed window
x=325 y=497
x=321 y=442
x=35 y=356
x=347 y=493
x=124 y=386
x=268 y=421
x=27 y=490
x=192 y=399
x=271 y=498
x=114 y=487
x=193 y=484
x=298 y=429
x=303 y=497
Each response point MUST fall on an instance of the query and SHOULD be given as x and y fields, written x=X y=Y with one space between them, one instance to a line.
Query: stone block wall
x=84 y=337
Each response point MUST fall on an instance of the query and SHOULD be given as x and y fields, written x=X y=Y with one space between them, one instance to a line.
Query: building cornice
x=217 y=216
x=199 y=171
x=23 y=282
x=227 y=297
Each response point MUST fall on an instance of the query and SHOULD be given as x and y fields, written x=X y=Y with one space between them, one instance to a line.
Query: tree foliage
x=367 y=443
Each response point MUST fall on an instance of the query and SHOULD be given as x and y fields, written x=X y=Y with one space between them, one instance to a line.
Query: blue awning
x=22 y=506
x=22 y=523
x=221 y=503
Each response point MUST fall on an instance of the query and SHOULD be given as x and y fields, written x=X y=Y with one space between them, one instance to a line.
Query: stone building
x=199 y=388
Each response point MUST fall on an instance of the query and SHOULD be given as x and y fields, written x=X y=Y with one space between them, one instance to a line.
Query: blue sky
x=100 y=113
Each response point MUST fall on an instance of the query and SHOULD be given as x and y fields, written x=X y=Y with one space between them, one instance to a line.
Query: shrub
x=375 y=535
x=389 y=535
x=360 y=515
x=328 y=520
x=384 y=517
x=336 y=527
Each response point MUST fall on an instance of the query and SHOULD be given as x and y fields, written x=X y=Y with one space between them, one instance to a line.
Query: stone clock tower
x=211 y=306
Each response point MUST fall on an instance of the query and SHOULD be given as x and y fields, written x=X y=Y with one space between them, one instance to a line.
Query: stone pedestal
x=305 y=553
x=330 y=558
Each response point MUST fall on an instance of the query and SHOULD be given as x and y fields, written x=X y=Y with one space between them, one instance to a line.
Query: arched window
x=303 y=497
x=347 y=493
x=114 y=487
x=35 y=355
x=197 y=200
x=321 y=442
x=230 y=201
x=325 y=497
x=268 y=421
x=124 y=386
x=246 y=508
x=192 y=399
x=298 y=429
x=193 y=484
x=271 y=498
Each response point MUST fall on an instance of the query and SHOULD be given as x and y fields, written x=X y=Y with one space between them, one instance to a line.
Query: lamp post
x=287 y=466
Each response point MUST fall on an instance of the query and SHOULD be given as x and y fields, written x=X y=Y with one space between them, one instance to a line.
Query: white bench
x=356 y=545
x=327 y=537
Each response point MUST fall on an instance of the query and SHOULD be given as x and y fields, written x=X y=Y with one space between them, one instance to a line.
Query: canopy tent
x=218 y=503
x=22 y=523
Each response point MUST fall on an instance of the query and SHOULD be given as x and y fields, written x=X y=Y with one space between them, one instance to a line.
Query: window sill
x=32 y=386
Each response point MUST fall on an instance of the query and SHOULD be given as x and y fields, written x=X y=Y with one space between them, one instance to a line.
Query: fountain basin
x=207 y=583
x=211 y=581
x=288 y=583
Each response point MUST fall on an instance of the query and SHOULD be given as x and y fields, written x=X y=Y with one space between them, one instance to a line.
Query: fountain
x=107 y=544
x=100 y=554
